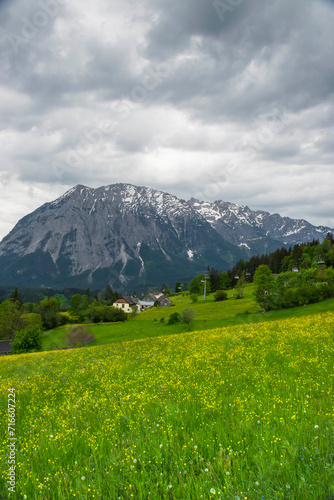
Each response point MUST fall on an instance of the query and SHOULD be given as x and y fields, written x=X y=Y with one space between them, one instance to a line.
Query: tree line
x=285 y=278
x=300 y=256
x=22 y=323
x=292 y=288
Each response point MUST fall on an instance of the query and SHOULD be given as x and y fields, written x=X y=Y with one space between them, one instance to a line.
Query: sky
x=213 y=99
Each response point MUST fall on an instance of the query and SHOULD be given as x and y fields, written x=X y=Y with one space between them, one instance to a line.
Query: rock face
x=121 y=234
x=258 y=232
x=132 y=236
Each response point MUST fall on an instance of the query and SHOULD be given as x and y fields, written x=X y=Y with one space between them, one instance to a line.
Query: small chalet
x=158 y=299
x=151 y=297
x=126 y=303
x=164 y=301
x=5 y=347
x=145 y=304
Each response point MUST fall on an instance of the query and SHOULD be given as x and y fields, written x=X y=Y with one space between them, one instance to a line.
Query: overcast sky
x=223 y=99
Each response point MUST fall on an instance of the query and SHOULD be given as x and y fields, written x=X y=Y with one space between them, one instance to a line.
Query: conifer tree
x=15 y=297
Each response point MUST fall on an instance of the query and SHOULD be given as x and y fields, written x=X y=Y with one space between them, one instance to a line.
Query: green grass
x=210 y=314
x=242 y=412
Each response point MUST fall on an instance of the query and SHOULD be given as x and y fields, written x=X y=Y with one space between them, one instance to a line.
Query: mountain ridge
x=241 y=225
x=120 y=233
x=132 y=236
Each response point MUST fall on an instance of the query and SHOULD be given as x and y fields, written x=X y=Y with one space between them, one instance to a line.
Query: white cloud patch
x=168 y=95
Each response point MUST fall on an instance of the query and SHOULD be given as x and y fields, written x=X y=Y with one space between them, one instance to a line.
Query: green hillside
x=239 y=412
x=210 y=314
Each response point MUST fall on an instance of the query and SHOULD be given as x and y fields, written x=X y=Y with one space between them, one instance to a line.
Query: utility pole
x=204 y=281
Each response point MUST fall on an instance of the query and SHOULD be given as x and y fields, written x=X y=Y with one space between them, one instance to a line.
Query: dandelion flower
x=213 y=491
x=83 y=478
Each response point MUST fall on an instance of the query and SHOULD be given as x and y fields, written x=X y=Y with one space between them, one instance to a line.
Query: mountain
x=134 y=237
x=257 y=232
x=120 y=234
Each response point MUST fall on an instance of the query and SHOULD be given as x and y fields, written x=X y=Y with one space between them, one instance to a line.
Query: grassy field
x=210 y=314
x=243 y=412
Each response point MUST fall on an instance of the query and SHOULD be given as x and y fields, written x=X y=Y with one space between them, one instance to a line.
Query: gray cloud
x=236 y=105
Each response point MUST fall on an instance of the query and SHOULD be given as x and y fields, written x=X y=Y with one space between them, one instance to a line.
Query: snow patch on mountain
x=190 y=254
x=241 y=226
x=142 y=269
x=244 y=245
x=118 y=227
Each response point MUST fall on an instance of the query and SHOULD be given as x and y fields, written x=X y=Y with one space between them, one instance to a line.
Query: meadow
x=209 y=315
x=241 y=412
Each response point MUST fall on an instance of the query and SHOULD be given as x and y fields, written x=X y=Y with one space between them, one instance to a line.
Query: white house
x=126 y=303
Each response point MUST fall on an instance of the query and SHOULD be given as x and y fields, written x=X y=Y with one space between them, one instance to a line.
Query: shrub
x=28 y=340
x=188 y=316
x=174 y=318
x=49 y=311
x=78 y=307
x=133 y=312
x=11 y=320
x=67 y=318
x=194 y=297
x=99 y=312
x=78 y=336
x=220 y=295
x=31 y=321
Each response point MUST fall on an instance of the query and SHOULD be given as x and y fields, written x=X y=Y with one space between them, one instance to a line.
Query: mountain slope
x=258 y=231
x=122 y=234
x=132 y=237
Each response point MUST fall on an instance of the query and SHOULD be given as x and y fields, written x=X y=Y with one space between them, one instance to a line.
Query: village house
x=5 y=347
x=126 y=302
x=151 y=297
x=145 y=304
x=164 y=301
x=158 y=299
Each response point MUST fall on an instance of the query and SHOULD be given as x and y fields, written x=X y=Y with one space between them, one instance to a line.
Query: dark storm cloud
x=263 y=55
x=228 y=99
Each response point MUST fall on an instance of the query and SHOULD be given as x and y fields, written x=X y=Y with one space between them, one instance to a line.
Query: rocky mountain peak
x=126 y=234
